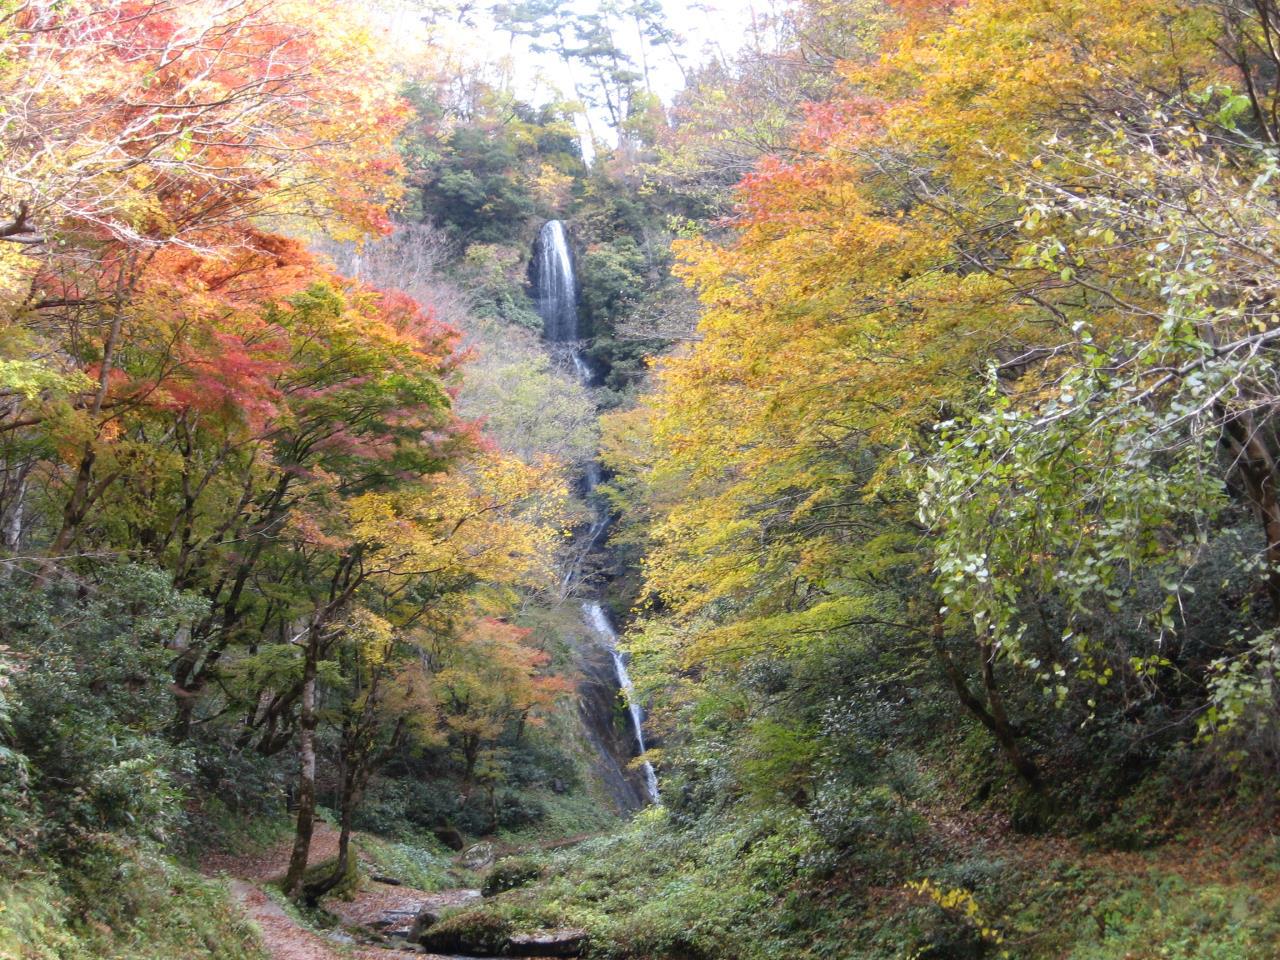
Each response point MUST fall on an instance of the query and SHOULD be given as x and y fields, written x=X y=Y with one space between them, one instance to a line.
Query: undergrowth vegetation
x=126 y=904
x=768 y=886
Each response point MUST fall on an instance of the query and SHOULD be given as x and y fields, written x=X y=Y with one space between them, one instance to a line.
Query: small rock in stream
x=570 y=942
x=478 y=856
x=424 y=921
x=394 y=918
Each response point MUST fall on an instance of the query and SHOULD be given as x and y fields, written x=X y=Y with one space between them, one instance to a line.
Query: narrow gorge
x=640 y=479
x=555 y=294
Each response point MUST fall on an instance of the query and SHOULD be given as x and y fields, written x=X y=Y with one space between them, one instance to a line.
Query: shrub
x=510 y=873
x=349 y=883
x=89 y=701
x=422 y=864
x=121 y=902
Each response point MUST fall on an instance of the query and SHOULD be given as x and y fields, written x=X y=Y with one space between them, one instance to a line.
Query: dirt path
x=271 y=862
x=285 y=939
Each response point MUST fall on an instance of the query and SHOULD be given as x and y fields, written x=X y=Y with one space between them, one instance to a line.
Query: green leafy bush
x=120 y=902
x=422 y=864
x=510 y=873
x=89 y=701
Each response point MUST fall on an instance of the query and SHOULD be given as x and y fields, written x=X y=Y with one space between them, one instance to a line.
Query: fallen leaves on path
x=285 y=939
x=270 y=863
x=282 y=937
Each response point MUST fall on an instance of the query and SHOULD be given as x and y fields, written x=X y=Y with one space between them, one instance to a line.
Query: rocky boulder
x=473 y=932
x=478 y=856
x=424 y=921
x=478 y=933
x=569 y=942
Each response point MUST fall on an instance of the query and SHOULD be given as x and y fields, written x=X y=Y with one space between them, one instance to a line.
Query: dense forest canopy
x=913 y=447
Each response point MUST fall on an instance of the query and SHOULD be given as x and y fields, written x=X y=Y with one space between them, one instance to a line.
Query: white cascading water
x=556 y=290
x=599 y=622
x=555 y=286
x=557 y=303
x=580 y=366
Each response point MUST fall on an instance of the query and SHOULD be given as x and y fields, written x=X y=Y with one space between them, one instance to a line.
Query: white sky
x=710 y=28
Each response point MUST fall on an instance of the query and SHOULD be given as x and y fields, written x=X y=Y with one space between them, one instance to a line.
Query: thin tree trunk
x=350 y=795
x=992 y=717
x=345 y=582
x=358 y=766
x=307 y=768
x=15 y=509
x=1257 y=470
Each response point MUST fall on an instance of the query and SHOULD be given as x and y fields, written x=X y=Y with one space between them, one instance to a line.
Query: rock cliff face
x=600 y=624
x=608 y=727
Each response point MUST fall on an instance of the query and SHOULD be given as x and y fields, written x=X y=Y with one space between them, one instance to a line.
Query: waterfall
x=580 y=366
x=599 y=622
x=555 y=294
x=554 y=285
x=594 y=534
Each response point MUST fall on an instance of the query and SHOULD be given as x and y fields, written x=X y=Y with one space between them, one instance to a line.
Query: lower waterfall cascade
x=599 y=622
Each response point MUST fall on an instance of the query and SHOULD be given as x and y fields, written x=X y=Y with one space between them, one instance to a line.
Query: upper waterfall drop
x=554 y=285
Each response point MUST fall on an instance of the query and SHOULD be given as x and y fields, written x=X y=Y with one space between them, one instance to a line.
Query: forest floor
x=285 y=937
x=1202 y=890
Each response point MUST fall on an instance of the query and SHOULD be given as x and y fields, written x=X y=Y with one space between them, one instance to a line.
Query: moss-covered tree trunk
x=307 y=768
